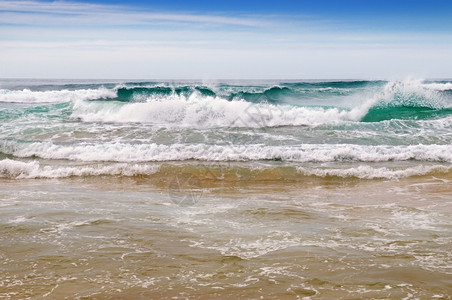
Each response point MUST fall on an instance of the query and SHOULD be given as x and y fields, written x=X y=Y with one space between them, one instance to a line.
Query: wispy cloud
x=75 y=13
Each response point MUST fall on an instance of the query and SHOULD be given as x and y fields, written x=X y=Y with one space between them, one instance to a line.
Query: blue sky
x=233 y=39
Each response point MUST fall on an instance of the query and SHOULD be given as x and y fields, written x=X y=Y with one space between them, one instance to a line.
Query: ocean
x=314 y=189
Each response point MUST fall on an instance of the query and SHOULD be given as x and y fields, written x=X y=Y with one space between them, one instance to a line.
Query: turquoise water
x=51 y=124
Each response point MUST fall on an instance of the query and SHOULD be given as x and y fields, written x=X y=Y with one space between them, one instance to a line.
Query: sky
x=367 y=39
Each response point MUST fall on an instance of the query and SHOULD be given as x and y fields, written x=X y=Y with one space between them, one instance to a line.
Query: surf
x=256 y=105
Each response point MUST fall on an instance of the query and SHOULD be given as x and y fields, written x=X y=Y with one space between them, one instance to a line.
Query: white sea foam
x=439 y=86
x=33 y=169
x=247 y=249
x=28 y=96
x=18 y=169
x=368 y=172
x=197 y=111
x=131 y=152
x=14 y=168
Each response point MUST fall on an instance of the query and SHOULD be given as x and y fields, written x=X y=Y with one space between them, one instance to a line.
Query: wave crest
x=198 y=111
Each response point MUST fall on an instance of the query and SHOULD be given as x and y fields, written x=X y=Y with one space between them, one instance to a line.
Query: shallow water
x=128 y=238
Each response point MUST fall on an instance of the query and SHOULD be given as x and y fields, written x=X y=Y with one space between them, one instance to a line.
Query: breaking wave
x=152 y=152
x=15 y=169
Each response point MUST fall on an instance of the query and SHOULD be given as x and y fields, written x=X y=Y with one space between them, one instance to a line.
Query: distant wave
x=54 y=96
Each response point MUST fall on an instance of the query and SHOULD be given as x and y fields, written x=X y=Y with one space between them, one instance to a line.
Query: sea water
x=231 y=189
